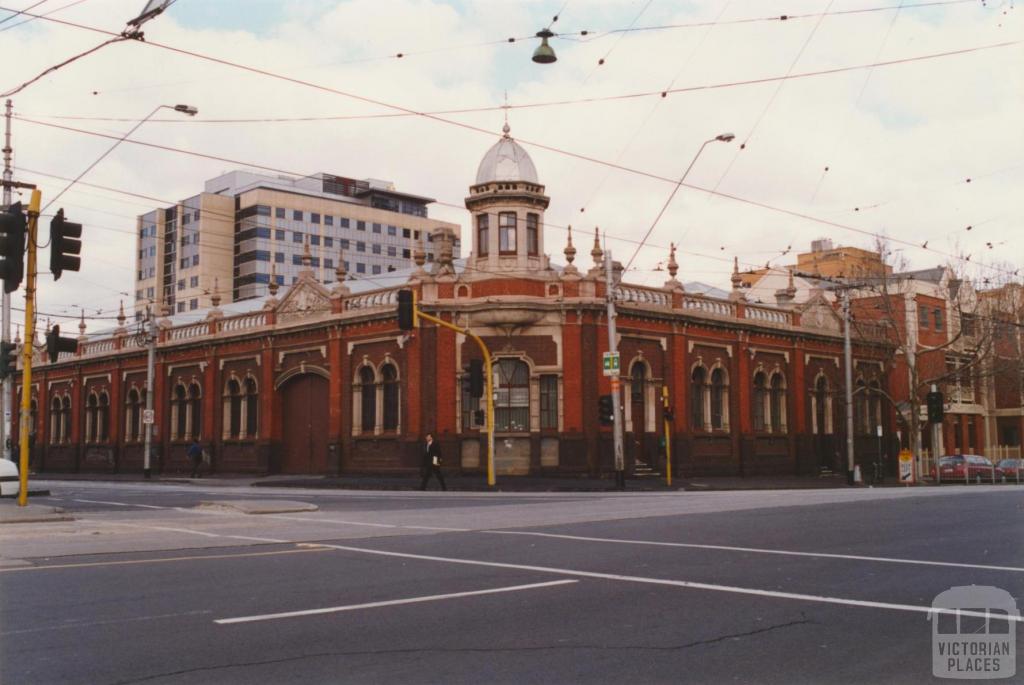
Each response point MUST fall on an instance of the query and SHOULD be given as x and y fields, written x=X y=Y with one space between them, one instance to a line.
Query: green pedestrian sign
x=611 y=363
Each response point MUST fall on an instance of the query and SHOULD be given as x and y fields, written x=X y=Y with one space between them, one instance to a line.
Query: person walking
x=195 y=455
x=431 y=463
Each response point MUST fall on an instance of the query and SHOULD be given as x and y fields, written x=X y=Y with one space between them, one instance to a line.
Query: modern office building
x=245 y=228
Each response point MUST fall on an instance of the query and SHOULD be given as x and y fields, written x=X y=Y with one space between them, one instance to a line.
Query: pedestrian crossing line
x=687 y=584
x=759 y=550
x=162 y=560
x=119 y=504
x=388 y=603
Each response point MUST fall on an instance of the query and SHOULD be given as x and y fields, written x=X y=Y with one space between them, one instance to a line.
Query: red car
x=1012 y=468
x=951 y=469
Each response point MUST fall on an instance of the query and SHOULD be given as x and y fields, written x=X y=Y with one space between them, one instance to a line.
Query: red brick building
x=319 y=379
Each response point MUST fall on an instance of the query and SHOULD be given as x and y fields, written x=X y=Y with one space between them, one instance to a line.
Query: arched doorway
x=304 y=412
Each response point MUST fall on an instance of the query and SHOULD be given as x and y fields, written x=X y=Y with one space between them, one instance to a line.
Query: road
x=810 y=586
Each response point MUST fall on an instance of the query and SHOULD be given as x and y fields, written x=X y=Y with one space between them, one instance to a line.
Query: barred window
x=697 y=389
x=511 y=396
x=389 y=380
x=549 y=401
x=760 y=398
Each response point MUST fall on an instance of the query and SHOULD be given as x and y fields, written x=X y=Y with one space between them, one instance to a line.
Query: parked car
x=952 y=468
x=8 y=478
x=1011 y=468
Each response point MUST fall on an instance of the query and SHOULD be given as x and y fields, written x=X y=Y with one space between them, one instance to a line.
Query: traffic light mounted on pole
x=12 y=247
x=8 y=359
x=936 y=410
x=476 y=378
x=605 y=410
x=409 y=316
x=65 y=245
x=56 y=344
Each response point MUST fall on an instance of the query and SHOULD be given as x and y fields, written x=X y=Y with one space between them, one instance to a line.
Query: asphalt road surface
x=149 y=586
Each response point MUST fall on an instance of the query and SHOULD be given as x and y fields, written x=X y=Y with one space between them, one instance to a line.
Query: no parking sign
x=906 y=467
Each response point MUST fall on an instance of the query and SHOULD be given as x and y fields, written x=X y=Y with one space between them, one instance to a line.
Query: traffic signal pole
x=488 y=379
x=668 y=435
x=26 y=351
x=620 y=466
x=5 y=327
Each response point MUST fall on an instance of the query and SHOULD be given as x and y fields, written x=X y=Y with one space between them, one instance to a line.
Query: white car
x=8 y=478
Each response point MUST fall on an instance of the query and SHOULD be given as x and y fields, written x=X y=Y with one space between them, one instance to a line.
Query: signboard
x=148 y=416
x=906 y=467
x=611 y=363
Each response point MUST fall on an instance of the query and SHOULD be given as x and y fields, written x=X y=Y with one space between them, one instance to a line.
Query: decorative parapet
x=196 y=330
x=709 y=305
x=240 y=323
x=635 y=294
x=768 y=314
x=96 y=347
x=372 y=300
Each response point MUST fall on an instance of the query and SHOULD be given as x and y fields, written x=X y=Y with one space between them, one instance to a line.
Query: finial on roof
x=307 y=257
x=215 y=298
x=597 y=253
x=506 y=129
x=120 y=314
x=737 y=281
x=570 y=251
x=81 y=323
x=340 y=273
x=272 y=288
x=419 y=255
x=673 y=267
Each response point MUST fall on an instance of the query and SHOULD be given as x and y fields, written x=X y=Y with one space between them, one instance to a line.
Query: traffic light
x=65 y=245
x=605 y=410
x=669 y=414
x=479 y=418
x=406 y=310
x=56 y=344
x=476 y=378
x=12 y=247
x=8 y=359
x=936 y=410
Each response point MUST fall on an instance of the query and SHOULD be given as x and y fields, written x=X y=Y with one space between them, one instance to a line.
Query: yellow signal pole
x=489 y=380
x=668 y=436
x=26 y=349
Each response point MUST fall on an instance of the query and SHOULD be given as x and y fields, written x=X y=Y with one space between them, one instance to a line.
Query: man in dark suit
x=431 y=463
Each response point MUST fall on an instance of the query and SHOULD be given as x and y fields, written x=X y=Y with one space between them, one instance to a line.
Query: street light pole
x=150 y=372
x=5 y=402
x=620 y=466
x=848 y=366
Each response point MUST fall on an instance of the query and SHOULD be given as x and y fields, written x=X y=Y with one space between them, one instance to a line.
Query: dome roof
x=506 y=161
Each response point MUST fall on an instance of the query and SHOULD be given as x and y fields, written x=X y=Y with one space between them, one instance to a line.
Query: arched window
x=179 y=413
x=91 y=403
x=874 y=406
x=719 y=400
x=760 y=399
x=389 y=379
x=860 y=408
x=133 y=416
x=368 y=399
x=821 y=411
x=697 y=389
x=511 y=395
x=55 y=414
x=777 y=403
x=233 y=409
x=483 y=223
x=195 y=411
x=65 y=419
x=103 y=418
x=532 y=232
x=251 y=409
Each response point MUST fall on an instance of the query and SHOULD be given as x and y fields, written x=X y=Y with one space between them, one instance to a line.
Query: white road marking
x=189 y=530
x=393 y=602
x=442 y=528
x=164 y=560
x=822 y=599
x=87 y=624
x=758 y=550
x=118 y=504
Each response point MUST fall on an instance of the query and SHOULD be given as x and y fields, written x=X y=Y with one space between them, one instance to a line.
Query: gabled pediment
x=818 y=312
x=304 y=299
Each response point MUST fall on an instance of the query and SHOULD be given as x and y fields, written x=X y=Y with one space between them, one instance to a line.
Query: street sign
x=906 y=467
x=611 y=363
x=148 y=416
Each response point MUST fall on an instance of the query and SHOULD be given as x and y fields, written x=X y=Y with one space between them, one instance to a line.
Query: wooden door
x=304 y=410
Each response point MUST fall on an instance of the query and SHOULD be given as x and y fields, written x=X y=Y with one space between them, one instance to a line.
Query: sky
x=912 y=134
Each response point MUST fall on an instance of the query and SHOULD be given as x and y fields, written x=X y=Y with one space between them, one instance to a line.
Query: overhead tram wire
x=552 y=103
x=17 y=13
x=618 y=40
x=736 y=198
x=41 y=16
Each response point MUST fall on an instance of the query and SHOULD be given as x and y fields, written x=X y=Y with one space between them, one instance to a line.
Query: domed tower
x=507 y=203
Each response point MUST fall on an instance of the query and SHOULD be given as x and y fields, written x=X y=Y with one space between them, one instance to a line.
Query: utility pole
x=150 y=372
x=25 y=418
x=620 y=467
x=5 y=328
x=848 y=364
